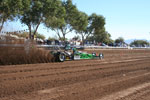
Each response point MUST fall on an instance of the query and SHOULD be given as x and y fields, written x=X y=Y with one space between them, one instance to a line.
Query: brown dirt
x=122 y=75
x=18 y=55
x=17 y=51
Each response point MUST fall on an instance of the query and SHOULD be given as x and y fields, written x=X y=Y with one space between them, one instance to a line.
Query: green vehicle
x=74 y=54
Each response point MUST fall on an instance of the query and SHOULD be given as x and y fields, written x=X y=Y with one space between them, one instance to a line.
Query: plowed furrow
x=31 y=68
x=86 y=68
x=37 y=83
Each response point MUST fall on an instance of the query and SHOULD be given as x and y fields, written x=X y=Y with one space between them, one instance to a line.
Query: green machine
x=74 y=54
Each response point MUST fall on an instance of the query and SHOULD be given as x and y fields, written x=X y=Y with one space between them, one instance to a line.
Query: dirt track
x=122 y=75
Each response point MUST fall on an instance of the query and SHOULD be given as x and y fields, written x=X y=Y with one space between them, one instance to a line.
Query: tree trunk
x=1 y=27
x=64 y=37
x=83 y=40
x=63 y=33
x=36 y=29
x=29 y=26
x=58 y=34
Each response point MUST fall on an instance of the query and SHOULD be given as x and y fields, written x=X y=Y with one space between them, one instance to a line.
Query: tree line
x=135 y=43
x=63 y=17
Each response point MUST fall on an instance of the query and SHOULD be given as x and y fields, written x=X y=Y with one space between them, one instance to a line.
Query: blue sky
x=124 y=18
x=129 y=19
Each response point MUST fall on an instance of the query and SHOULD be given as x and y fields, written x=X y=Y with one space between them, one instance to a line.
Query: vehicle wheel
x=61 y=57
x=101 y=56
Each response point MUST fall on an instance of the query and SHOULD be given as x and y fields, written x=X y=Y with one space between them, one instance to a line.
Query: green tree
x=37 y=13
x=96 y=27
x=81 y=25
x=76 y=38
x=23 y=35
x=103 y=37
x=26 y=35
x=119 y=40
x=64 y=23
x=52 y=38
x=96 y=24
x=90 y=26
x=140 y=43
x=10 y=9
x=39 y=36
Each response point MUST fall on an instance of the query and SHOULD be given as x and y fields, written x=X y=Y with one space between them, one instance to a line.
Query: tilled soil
x=121 y=75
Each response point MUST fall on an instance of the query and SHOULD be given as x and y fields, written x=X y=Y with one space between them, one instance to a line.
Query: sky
x=129 y=19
